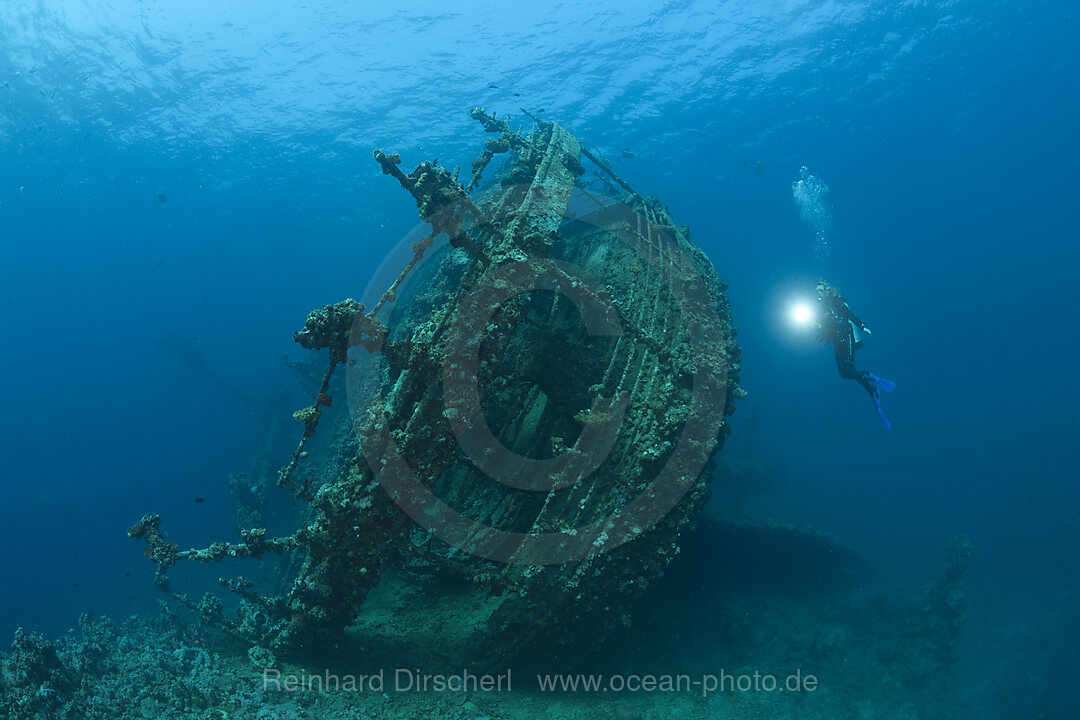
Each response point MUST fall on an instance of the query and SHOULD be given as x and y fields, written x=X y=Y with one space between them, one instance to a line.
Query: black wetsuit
x=838 y=325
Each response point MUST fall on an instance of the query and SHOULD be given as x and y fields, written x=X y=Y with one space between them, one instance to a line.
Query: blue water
x=181 y=182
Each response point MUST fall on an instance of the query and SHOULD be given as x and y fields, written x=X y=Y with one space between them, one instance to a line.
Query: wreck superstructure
x=533 y=406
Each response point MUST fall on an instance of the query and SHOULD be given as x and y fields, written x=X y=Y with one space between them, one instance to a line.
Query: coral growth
x=559 y=489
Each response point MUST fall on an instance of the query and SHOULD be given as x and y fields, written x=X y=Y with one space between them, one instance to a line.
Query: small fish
x=493 y=86
x=200 y=500
x=127 y=574
x=161 y=197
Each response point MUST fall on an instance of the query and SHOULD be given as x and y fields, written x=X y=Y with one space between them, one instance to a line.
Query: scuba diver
x=839 y=326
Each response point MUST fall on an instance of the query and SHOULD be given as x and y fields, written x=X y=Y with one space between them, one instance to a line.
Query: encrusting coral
x=548 y=399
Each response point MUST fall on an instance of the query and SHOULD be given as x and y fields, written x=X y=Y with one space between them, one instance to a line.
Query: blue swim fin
x=881 y=416
x=882 y=383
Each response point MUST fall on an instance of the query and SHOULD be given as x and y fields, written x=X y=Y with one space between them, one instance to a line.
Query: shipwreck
x=531 y=408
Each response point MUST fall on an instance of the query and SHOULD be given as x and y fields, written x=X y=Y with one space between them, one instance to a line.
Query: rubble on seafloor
x=871 y=649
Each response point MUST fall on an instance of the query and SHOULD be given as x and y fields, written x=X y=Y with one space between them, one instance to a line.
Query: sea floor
x=701 y=645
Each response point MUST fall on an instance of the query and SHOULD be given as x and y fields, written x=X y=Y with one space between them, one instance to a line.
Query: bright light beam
x=802 y=314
